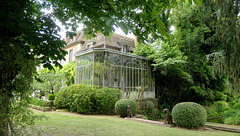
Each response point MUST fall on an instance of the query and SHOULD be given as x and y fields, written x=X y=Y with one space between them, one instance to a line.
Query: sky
x=63 y=30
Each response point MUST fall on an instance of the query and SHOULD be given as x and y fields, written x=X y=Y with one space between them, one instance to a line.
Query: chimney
x=66 y=39
x=135 y=39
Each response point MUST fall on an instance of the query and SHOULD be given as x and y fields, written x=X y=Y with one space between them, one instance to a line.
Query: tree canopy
x=139 y=17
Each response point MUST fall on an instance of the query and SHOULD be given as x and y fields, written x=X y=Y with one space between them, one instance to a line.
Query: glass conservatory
x=104 y=67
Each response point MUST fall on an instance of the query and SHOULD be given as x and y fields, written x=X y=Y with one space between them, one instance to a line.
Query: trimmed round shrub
x=189 y=115
x=121 y=107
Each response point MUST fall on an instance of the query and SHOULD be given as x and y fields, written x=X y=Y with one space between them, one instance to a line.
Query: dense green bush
x=51 y=96
x=220 y=106
x=121 y=107
x=42 y=93
x=86 y=99
x=189 y=115
x=232 y=116
x=236 y=105
x=232 y=120
x=150 y=112
x=230 y=113
x=217 y=109
x=46 y=104
x=36 y=101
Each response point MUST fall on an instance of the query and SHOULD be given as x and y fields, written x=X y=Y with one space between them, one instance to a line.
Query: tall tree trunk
x=4 y=116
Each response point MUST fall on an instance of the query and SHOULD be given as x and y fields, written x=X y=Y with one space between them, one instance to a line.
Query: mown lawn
x=69 y=125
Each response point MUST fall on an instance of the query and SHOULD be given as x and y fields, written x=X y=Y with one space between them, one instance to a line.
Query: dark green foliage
x=190 y=37
x=51 y=96
x=26 y=33
x=220 y=106
x=181 y=68
x=42 y=93
x=150 y=112
x=122 y=105
x=217 y=109
x=223 y=19
x=189 y=115
x=237 y=106
x=232 y=116
x=86 y=99
x=229 y=112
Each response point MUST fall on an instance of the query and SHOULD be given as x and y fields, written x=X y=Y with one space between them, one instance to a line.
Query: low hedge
x=122 y=105
x=86 y=99
x=41 y=107
x=38 y=102
x=189 y=115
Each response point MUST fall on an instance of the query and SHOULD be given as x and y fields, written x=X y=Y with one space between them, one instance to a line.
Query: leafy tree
x=180 y=62
x=26 y=32
x=144 y=50
x=190 y=35
x=223 y=19
x=171 y=79
x=68 y=73
x=52 y=79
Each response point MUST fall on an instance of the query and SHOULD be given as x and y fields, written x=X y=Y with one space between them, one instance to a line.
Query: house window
x=71 y=55
x=124 y=48
x=89 y=45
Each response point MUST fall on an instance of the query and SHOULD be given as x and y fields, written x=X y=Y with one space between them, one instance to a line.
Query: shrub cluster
x=40 y=107
x=189 y=115
x=217 y=109
x=229 y=111
x=86 y=99
x=232 y=115
x=38 y=102
x=122 y=105
x=150 y=112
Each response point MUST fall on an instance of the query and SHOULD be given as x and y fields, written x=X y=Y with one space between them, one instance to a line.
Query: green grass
x=70 y=125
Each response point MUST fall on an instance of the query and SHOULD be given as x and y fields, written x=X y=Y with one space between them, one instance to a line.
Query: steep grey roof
x=113 y=41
